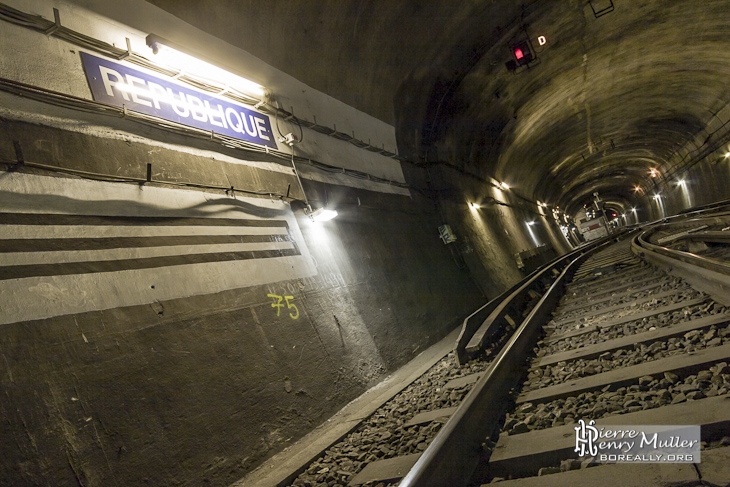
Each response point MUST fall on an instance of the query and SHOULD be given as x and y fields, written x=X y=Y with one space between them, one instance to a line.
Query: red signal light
x=522 y=55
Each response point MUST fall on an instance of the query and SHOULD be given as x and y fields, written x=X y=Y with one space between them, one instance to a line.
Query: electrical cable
x=301 y=186
x=15 y=165
x=82 y=104
x=281 y=135
x=48 y=27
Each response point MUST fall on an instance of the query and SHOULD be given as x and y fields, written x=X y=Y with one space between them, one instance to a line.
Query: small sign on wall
x=119 y=85
x=446 y=234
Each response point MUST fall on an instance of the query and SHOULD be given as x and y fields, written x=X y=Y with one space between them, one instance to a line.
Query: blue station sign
x=119 y=85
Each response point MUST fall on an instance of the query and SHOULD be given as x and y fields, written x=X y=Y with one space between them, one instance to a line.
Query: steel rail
x=687 y=257
x=455 y=452
x=707 y=275
x=452 y=456
x=495 y=309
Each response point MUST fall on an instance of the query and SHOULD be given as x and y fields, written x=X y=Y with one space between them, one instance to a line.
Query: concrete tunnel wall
x=152 y=368
x=704 y=183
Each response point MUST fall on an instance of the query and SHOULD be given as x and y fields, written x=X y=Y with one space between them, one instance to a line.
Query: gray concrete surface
x=284 y=465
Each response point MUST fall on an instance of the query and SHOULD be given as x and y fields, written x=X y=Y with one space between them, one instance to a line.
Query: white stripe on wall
x=40 y=297
x=34 y=298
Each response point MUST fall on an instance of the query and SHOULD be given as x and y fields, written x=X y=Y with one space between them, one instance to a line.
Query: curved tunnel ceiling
x=607 y=100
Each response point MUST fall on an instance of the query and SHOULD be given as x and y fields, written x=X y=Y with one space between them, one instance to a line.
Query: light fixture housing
x=322 y=215
x=178 y=58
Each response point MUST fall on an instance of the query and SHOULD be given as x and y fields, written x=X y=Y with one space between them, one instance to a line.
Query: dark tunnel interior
x=170 y=311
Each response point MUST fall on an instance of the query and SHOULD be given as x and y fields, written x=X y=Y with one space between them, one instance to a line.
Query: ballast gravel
x=384 y=434
x=565 y=371
x=638 y=326
x=649 y=392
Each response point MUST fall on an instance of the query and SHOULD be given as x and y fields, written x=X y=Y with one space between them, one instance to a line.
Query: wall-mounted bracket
x=604 y=7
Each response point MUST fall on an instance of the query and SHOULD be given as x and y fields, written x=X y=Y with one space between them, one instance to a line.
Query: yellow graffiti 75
x=278 y=305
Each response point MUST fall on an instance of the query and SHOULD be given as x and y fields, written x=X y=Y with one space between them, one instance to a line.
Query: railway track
x=658 y=356
x=619 y=334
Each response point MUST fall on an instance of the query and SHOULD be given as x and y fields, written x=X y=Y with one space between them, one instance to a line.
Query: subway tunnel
x=171 y=312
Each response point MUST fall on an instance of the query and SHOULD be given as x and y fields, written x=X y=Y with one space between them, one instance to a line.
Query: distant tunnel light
x=727 y=154
x=172 y=56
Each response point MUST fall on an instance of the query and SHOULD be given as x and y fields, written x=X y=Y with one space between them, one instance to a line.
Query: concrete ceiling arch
x=607 y=99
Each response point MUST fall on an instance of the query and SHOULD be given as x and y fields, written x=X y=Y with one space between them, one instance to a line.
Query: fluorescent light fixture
x=504 y=186
x=727 y=154
x=322 y=215
x=530 y=223
x=474 y=206
x=173 y=56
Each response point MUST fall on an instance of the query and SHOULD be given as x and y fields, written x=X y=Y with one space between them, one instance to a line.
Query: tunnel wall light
x=474 y=206
x=322 y=215
x=190 y=64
